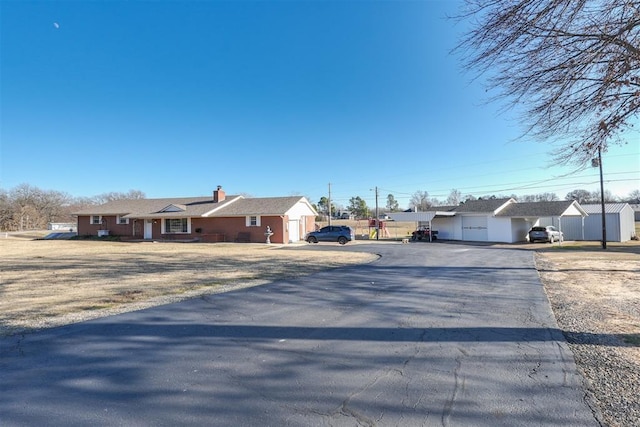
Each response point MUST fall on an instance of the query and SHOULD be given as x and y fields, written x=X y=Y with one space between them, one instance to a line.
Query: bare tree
x=114 y=195
x=420 y=201
x=634 y=196
x=609 y=197
x=541 y=197
x=580 y=196
x=455 y=197
x=24 y=198
x=27 y=207
x=586 y=197
x=51 y=205
x=573 y=65
x=6 y=210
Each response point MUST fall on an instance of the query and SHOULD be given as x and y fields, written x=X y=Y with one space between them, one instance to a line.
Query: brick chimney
x=218 y=194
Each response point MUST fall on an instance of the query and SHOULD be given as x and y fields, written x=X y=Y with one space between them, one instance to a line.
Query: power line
x=517 y=185
x=511 y=187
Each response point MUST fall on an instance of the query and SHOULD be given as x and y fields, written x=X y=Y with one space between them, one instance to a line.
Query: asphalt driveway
x=431 y=334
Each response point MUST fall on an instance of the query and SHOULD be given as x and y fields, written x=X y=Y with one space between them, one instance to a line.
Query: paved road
x=431 y=334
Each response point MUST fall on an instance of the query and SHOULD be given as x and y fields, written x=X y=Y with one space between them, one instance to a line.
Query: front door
x=148 y=228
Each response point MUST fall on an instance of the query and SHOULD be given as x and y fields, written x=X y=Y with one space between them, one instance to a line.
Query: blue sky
x=266 y=98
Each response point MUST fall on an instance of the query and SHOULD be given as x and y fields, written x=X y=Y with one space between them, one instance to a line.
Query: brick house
x=216 y=218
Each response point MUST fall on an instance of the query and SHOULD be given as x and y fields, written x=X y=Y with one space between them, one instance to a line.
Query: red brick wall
x=209 y=229
x=86 y=228
x=311 y=224
x=212 y=228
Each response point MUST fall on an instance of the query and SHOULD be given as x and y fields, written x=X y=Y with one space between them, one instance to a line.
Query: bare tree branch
x=574 y=65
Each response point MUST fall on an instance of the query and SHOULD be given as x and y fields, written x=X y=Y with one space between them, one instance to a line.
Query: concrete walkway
x=429 y=335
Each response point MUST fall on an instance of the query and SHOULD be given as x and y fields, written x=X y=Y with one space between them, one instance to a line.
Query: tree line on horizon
x=421 y=201
x=27 y=207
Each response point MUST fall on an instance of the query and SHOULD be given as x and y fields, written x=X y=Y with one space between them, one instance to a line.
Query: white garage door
x=474 y=228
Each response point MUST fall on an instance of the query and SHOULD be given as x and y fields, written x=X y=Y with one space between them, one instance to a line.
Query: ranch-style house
x=215 y=218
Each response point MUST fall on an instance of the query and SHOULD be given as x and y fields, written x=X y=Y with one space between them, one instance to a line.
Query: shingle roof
x=480 y=205
x=536 y=209
x=194 y=206
x=148 y=207
x=259 y=206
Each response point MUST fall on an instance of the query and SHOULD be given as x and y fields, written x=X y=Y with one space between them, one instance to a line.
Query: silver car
x=545 y=234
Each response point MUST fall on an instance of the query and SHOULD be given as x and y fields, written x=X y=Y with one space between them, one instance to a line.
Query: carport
x=525 y=215
x=418 y=217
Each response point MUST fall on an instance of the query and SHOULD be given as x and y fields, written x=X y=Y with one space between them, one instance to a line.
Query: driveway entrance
x=429 y=335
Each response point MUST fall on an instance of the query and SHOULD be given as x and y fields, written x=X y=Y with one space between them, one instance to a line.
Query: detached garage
x=473 y=221
x=494 y=220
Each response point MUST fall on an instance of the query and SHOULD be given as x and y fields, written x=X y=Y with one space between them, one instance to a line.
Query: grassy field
x=54 y=282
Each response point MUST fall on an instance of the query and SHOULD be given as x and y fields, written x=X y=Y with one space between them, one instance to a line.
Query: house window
x=121 y=220
x=176 y=225
x=253 y=221
x=96 y=219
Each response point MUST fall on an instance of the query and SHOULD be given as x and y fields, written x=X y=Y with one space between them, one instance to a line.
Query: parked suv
x=331 y=233
x=546 y=234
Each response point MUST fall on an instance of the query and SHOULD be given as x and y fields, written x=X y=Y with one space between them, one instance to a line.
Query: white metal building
x=493 y=220
x=619 y=218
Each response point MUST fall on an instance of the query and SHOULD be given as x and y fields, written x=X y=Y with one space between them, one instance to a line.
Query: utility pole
x=604 y=221
x=329 y=203
x=377 y=217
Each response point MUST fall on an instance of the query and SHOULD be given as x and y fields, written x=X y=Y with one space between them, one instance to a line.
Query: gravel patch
x=595 y=302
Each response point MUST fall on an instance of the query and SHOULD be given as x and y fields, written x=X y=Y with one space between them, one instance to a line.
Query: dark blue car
x=331 y=233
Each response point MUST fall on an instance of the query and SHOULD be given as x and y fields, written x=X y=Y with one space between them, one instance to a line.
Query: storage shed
x=620 y=223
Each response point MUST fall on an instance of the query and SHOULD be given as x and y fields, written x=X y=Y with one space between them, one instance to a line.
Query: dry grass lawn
x=47 y=283
x=600 y=287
